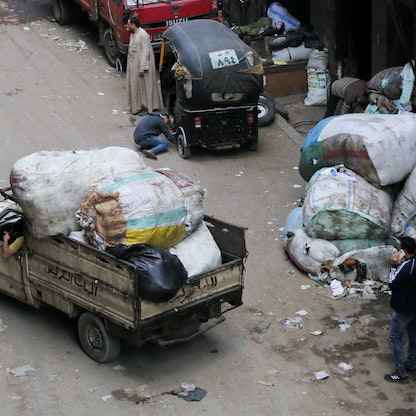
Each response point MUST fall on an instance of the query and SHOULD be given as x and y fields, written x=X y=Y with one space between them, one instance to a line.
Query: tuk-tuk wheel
x=266 y=109
x=183 y=150
x=252 y=146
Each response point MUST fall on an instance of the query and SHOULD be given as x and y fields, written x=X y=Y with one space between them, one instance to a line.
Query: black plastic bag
x=159 y=274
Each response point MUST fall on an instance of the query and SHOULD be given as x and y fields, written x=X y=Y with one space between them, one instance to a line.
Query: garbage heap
x=360 y=197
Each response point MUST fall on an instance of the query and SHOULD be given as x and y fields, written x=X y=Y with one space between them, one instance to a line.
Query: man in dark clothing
x=147 y=132
x=353 y=94
x=402 y=282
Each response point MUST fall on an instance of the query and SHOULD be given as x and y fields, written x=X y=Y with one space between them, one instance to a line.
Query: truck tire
x=63 y=11
x=266 y=109
x=96 y=342
x=183 y=149
x=110 y=47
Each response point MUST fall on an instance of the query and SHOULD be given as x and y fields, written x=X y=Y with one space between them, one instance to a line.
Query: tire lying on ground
x=266 y=109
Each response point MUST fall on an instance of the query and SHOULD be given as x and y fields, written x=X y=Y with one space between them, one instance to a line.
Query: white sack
x=388 y=140
x=198 y=252
x=340 y=204
x=292 y=54
x=310 y=254
x=50 y=185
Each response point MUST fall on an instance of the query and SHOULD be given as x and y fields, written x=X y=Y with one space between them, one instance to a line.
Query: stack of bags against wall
x=351 y=211
x=113 y=197
x=287 y=45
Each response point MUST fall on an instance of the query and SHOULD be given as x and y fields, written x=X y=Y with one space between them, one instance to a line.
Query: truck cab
x=155 y=17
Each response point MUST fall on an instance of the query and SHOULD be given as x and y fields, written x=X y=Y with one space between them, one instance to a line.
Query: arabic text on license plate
x=221 y=59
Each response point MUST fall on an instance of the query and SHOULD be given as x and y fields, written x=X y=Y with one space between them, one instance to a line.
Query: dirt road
x=58 y=93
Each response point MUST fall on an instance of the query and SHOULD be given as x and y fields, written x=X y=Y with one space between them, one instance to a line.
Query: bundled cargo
x=50 y=185
x=378 y=147
x=339 y=205
x=198 y=252
x=144 y=208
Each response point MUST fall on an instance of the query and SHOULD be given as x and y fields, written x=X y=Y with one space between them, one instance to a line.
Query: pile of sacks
x=109 y=198
x=360 y=196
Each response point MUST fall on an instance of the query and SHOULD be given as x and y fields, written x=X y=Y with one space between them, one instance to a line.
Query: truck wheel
x=96 y=342
x=110 y=47
x=183 y=149
x=62 y=11
x=266 y=109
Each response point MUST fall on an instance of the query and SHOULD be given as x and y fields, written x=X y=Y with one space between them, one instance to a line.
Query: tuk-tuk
x=211 y=81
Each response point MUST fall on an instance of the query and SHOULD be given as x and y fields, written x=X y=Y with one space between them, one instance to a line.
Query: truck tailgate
x=211 y=285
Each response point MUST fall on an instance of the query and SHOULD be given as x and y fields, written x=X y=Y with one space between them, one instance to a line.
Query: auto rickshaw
x=211 y=81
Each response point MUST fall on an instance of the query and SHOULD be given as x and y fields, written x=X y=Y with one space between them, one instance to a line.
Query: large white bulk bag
x=50 y=185
x=379 y=147
x=339 y=205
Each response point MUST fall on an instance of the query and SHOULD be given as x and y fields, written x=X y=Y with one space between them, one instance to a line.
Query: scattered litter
x=302 y=312
x=295 y=185
x=115 y=112
x=321 y=375
x=345 y=323
x=119 y=368
x=336 y=288
x=305 y=287
x=191 y=393
x=266 y=383
x=292 y=322
x=106 y=397
x=257 y=326
x=26 y=28
x=316 y=333
x=51 y=97
x=24 y=370
x=345 y=366
x=2 y=326
x=257 y=340
x=100 y=93
x=239 y=174
x=12 y=93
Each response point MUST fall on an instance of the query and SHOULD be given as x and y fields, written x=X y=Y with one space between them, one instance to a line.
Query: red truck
x=155 y=16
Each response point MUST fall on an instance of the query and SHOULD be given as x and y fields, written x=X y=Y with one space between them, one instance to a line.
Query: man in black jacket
x=402 y=282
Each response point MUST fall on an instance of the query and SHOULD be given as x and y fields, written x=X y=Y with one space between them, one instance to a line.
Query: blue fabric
x=400 y=324
x=155 y=144
x=313 y=134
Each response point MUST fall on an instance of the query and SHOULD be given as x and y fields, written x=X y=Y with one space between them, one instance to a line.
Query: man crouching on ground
x=147 y=132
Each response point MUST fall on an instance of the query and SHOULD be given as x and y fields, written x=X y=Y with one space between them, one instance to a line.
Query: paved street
x=58 y=93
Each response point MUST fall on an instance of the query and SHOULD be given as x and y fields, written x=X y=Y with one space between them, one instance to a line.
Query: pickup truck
x=100 y=290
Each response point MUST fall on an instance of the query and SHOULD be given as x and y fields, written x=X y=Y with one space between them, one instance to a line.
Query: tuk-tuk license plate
x=221 y=59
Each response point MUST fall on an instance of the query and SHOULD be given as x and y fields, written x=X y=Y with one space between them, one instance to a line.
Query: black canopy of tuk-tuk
x=214 y=60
